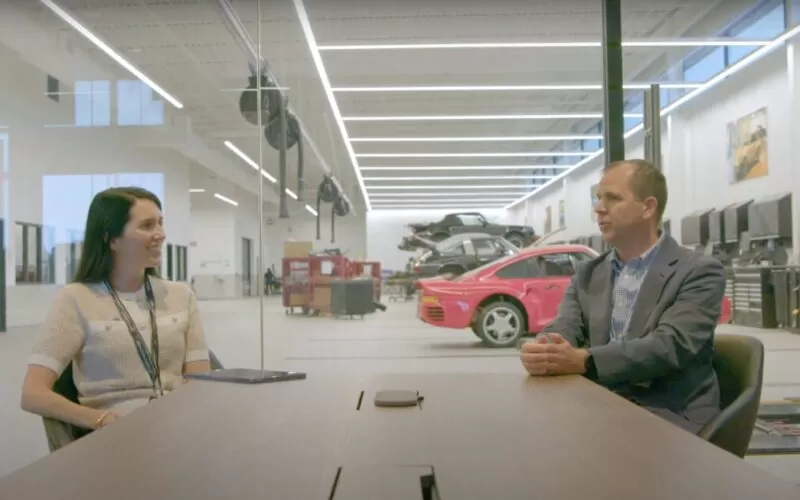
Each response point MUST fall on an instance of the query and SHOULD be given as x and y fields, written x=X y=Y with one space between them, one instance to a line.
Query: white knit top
x=85 y=327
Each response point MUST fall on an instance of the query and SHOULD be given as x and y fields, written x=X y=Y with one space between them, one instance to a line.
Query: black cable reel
x=328 y=192
x=282 y=129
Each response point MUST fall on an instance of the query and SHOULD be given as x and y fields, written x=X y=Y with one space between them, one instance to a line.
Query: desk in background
x=480 y=436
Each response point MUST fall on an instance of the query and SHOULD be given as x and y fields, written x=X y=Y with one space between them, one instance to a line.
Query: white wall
x=350 y=234
x=38 y=144
x=694 y=145
x=386 y=228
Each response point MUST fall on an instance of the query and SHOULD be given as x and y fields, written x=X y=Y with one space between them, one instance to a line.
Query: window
x=771 y=24
x=452 y=250
x=34 y=250
x=525 y=268
x=471 y=220
x=556 y=264
x=135 y=104
x=490 y=248
x=708 y=65
x=92 y=103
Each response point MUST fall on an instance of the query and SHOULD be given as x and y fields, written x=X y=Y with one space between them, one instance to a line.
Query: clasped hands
x=552 y=354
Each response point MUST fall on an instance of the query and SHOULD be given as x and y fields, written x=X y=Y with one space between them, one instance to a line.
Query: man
x=639 y=319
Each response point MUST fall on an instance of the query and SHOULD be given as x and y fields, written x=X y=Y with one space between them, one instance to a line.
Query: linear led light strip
x=461 y=207
x=686 y=42
x=532 y=154
x=238 y=152
x=730 y=70
x=473 y=199
x=69 y=19
x=225 y=199
x=470 y=167
x=499 y=194
x=451 y=186
x=460 y=178
x=540 y=116
x=302 y=16
x=506 y=88
x=511 y=138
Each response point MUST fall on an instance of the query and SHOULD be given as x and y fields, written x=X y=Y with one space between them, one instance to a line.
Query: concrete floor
x=394 y=341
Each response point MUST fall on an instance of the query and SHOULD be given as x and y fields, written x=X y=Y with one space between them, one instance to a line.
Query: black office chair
x=59 y=433
x=739 y=363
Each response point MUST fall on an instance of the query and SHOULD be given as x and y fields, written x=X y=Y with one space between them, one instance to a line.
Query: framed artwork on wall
x=562 y=215
x=747 y=147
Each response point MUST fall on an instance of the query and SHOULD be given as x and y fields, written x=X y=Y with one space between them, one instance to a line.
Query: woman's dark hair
x=109 y=212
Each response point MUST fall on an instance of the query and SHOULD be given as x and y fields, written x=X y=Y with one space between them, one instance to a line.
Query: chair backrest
x=60 y=434
x=739 y=363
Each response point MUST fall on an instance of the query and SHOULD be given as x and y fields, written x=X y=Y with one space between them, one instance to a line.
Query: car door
x=467 y=223
x=557 y=271
x=489 y=228
x=530 y=285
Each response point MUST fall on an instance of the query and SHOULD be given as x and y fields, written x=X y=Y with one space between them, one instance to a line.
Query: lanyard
x=150 y=362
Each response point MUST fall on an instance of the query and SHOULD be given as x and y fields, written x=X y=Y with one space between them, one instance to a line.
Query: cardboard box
x=297 y=249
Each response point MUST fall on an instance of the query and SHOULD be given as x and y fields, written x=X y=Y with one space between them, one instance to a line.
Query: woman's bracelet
x=99 y=422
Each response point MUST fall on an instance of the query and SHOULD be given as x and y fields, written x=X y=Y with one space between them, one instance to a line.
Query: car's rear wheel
x=516 y=239
x=500 y=324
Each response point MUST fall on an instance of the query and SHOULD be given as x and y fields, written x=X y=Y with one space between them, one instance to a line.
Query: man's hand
x=551 y=354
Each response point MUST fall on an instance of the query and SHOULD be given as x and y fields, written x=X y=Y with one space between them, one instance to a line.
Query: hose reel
x=328 y=192
x=282 y=129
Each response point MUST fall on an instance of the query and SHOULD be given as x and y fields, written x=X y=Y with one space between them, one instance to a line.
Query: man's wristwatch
x=591 y=369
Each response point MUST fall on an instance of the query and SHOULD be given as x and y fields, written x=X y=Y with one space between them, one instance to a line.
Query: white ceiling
x=187 y=48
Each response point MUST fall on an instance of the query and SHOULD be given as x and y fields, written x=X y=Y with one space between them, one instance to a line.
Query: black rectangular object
x=354 y=297
x=735 y=220
x=247 y=376
x=694 y=228
x=771 y=218
x=716 y=226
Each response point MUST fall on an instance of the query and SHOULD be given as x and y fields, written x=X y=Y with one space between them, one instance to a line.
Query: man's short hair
x=646 y=181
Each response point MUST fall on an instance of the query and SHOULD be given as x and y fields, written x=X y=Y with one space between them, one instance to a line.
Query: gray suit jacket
x=665 y=363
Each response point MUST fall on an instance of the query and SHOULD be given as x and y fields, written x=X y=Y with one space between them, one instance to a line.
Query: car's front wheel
x=500 y=324
x=516 y=239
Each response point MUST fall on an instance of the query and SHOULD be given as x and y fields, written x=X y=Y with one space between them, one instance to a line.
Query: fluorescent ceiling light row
x=469 y=167
x=311 y=40
x=311 y=210
x=493 y=194
x=197 y=190
x=474 y=199
x=510 y=138
x=461 y=118
x=226 y=199
x=686 y=42
x=459 y=207
x=529 y=154
x=506 y=88
x=241 y=154
x=518 y=187
x=730 y=70
x=110 y=52
x=461 y=178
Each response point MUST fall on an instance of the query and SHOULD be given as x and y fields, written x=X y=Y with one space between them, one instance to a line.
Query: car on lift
x=509 y=298
x=459 y=254
x=465 y=222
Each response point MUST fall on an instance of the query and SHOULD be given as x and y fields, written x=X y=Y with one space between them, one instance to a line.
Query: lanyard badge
x=150 y=360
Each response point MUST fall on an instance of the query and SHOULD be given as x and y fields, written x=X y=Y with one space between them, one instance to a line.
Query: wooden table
x=482 y=437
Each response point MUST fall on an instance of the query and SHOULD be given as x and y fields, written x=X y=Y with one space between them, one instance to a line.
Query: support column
x=613 y=97
x=652 y=125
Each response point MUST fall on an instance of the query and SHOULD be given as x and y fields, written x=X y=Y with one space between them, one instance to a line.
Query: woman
x=129 y=335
